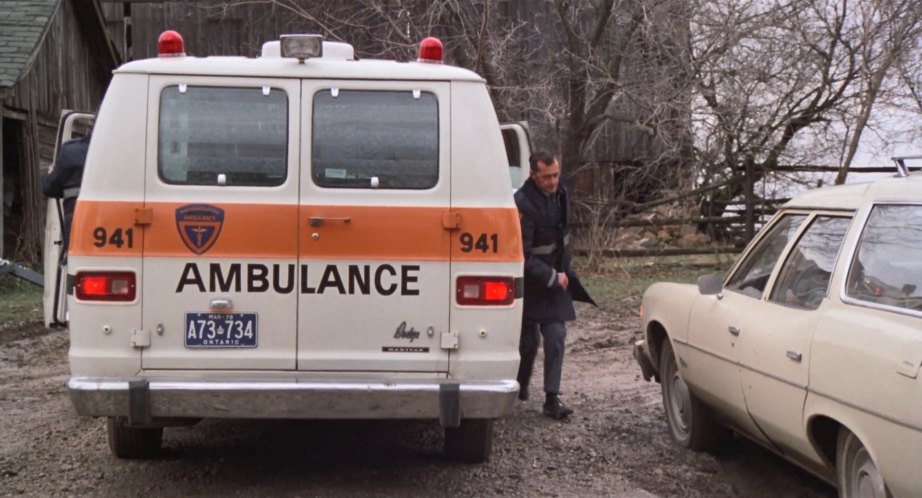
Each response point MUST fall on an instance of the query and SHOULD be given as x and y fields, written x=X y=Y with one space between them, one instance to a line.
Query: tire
x=690 y=423
x=470 y=442
x=856 y=473
x=133 y=442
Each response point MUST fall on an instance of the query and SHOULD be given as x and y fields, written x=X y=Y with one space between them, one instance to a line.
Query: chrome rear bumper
x=142 y=400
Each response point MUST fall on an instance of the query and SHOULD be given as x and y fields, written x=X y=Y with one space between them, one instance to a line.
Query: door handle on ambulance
x=220 y=304
x=316 y=221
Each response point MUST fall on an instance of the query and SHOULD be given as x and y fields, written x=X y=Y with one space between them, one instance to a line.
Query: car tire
x=471 y=442
x=856 y=473
x=133 y=442
x=689 y=420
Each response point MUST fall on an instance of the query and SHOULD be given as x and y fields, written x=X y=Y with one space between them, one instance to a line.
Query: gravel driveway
x=615 y=444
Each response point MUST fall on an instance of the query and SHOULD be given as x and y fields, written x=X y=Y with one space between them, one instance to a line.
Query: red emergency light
x=430 y=50
x=170 y=44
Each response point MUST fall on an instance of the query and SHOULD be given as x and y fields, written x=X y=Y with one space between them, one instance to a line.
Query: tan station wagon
x=811 y=345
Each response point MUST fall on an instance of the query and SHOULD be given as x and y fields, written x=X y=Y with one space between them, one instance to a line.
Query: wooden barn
x=54 y=55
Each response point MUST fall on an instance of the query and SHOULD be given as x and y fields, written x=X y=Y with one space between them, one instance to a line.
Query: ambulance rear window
x=240 y=134
x=375 y=139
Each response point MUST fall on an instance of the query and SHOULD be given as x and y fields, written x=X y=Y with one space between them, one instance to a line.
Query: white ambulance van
x=301 y=235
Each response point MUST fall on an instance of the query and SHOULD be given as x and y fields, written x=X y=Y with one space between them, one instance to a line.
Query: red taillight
x=485 y=291
x=105 y=286
x=430 y=50
x=170 y=44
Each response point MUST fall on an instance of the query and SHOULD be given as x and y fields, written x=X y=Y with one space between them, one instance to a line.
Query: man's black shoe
x=555 y=409
x=523 y=393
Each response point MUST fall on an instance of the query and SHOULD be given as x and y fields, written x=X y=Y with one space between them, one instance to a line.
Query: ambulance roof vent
x=303 y=47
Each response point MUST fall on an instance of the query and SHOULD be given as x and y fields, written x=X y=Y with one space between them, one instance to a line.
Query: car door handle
x=734 y=330
x=794 y=355
x=316 y=221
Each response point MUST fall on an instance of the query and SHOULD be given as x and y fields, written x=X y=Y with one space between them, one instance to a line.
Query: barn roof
x=23 y=24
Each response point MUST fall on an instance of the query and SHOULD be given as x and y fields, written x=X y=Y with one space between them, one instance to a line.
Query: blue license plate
x=221 y=330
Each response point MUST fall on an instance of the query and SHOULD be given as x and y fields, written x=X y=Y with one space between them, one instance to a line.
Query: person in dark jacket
x=63 y=180
x=543 y=208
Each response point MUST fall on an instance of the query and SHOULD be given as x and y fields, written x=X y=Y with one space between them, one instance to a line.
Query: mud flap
x=139 y=402
x=450 y=405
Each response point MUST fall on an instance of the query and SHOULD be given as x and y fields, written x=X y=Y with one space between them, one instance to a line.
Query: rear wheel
x=472 y=441
x=856 y=473
x=690 y=424
x=133 y=442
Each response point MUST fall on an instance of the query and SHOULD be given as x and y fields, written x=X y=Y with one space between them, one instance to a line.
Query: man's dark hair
x=542 y=155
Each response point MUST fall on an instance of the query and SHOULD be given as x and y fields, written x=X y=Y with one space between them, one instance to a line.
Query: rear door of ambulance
x=518 y=150
x=375 y=226
x=72 y=125
x=220 y=264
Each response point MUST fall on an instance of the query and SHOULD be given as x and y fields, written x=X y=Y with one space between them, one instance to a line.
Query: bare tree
x=890 y=27
x=763 y=73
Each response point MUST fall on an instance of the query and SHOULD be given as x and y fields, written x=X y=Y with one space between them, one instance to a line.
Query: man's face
x=547 y=177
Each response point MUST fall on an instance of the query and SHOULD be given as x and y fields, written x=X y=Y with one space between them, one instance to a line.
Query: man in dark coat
x=63 y=180
x=543 y=209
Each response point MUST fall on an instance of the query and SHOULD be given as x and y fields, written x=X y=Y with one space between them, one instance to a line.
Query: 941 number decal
x=483 y=242
x=120 y=237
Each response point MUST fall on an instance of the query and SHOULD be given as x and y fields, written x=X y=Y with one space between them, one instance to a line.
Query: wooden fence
x=741 y=220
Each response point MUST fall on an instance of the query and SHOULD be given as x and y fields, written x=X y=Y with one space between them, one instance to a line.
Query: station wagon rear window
x=223 y=136
x=887 y=268
x=375 y=139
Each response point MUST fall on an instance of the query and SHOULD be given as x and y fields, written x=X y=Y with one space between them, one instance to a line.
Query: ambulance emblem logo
x=199 y=226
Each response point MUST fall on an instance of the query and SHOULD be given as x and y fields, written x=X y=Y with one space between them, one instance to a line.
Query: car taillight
x=105 y=286
x=485 y=291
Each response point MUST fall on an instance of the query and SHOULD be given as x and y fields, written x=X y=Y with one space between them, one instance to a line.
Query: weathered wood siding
x=65 y=73
x=207 y=27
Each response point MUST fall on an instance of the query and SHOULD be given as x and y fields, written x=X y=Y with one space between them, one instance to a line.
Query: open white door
x=72 y=125
x=518 y=149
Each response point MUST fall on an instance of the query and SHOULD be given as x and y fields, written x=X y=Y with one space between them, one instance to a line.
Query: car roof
x=853 y=196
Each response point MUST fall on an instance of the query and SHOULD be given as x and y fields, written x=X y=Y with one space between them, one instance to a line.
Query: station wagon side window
x=375 y=139
x=887 y=267
x=223 y=136
x=752 y=274
x=804 y=279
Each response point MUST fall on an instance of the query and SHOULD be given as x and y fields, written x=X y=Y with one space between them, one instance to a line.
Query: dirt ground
x=615 y=444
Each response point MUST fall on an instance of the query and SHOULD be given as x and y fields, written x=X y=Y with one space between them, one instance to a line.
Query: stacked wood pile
x=649 y=230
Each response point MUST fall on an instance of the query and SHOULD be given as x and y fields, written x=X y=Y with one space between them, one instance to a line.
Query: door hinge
x=451 y=220
x=140 y=338
x=449 y=340
x=143 y=216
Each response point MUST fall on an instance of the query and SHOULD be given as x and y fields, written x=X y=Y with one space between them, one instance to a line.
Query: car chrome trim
x=878 y=306
x=809 y=390
x=292 y=398
x=873 y=413
x=736 y=362
x=727 y=359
